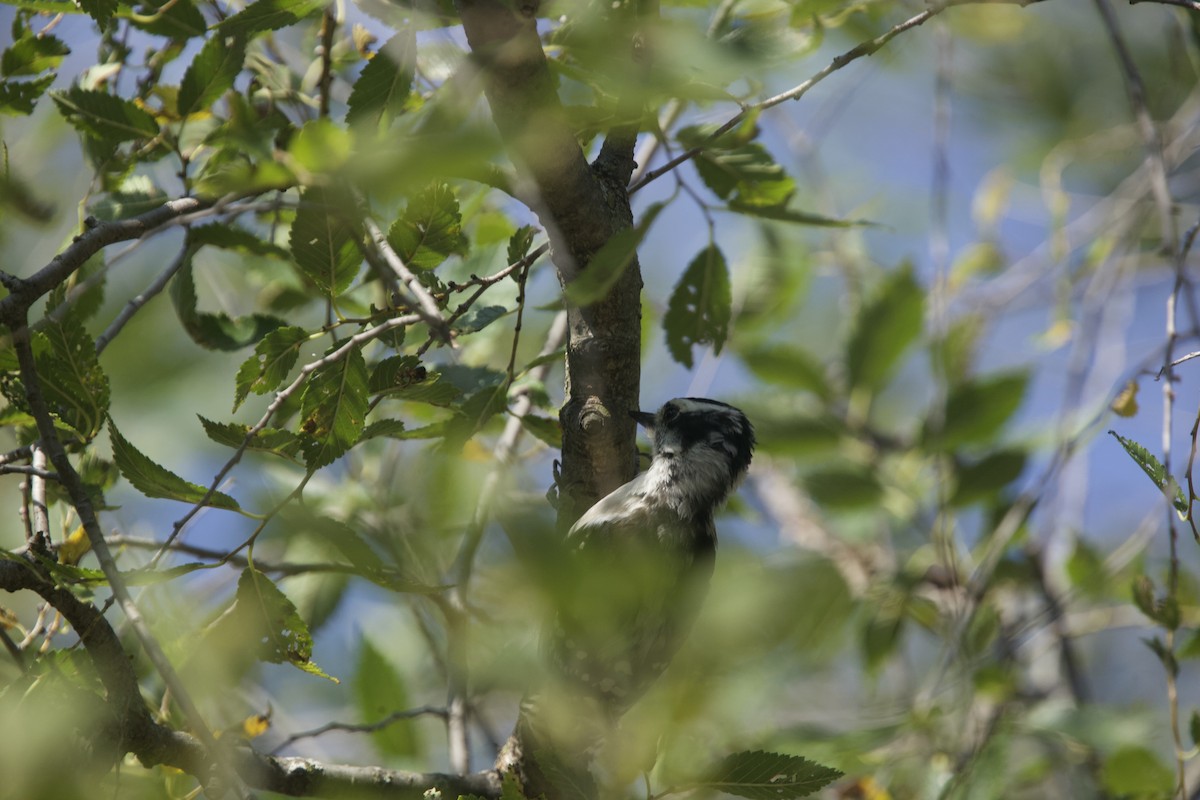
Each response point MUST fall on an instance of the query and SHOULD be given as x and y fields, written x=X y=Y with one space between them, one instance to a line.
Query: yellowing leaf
x=1125 y=404
x=75 y=547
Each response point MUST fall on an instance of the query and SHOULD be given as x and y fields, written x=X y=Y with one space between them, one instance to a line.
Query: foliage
x=363 y=352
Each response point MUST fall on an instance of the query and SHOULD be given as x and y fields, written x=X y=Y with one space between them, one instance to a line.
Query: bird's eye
x=670 y=413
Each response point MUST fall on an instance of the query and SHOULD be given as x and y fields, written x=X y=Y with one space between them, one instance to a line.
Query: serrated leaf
x=760 y=775
x=73 y=384
x=387 y=428
x=323 y=243
x=333 y=410
x=274 y=356
x=594 y=282
x=977 y=410
x=385 y=82
x=268 y=622
x=31 y=55
x=154 y=480
x=104 y=116
x=215 y=331
x=1153 y=468
x=99 y=10
x=430 y=229
x=19 y=97
x=700 y=306
x=269 y=15
x=519 y=243
x=395 y=373
x=211 y=73
x=747 y=176
x=781 y=213
x=433 y=390
x=884 y=328
x=174 y=19
x=268 y=440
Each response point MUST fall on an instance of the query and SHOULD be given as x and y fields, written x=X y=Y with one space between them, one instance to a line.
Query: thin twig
x=325 y=82
x=424 y=303
x=21 y=469
x=135 y=304
x=370 y=727
x=37 y=493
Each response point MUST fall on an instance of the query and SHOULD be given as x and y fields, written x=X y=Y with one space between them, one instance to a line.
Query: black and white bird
x=641 y=558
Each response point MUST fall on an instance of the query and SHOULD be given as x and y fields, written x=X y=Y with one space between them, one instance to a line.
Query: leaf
x=747 y=174
x=267 y=621
x=321 y=146
x=884 y=328
x=789 y=366
x=333 y=410
x=174 y=19
x=781 y=213
x=976 y=411
x=268 y=440
x=323 y=243
x=983 y=478
x=100 y=10
x=215 y=331
x=479 y=318
x=606 y=267
x=519 y=243
x=1153 y=468
x=760 y=775
x=18 y=97
x=1125 y=404
x=385 y=82
x=31 y=55
x=232 y=237
x=379 y=691
x=1135 y=771
x=433 y=390
x=274 y=356
x=844 y=487
x=700 y=306
x=104 y=116
x=545 y=429
x=1194 y=728
x=153 y=480
x=211 y=73
x=430 y=229
x=73 y=384
x=268 y=15
x=1086 y=571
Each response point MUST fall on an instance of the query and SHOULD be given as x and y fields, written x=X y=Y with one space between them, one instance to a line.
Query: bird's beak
x=643 y=418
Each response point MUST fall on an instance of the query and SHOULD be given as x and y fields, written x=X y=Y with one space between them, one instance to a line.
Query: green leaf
x=269 y=15
x=479 y=318
x=100 y=10
x=844 y=487
x=267 y=621
x=211 y=73
x=976 y=411
x=594 y=282
x=1194 y=728
x=430 y=229
x=884 y=328
x=1135 y=771
x=215 y=331
x=268 y=440
x=31 y=55
x=321 y=146
x=104 y=116
x=323 y=243
x=747 y=176
x=769 y=776
x=1154 y=469
x=153 y=480
x=174 y=19
x=380 y=691
x=18 y=97
x=395 y=373
x=700 y=306
x=880 y=637
x=781 y=213
x=433 y=390
x=519 y=243
x=274 y=356
x=789 y=366
x=334 y=409
x=545 y=429
x=1086 y=571
x=73 y=384
x=232 y=237
x=384 y=85
x=982 y=479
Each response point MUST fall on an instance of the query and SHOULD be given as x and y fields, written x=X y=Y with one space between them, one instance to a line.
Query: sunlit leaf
x=768 y=776
x=430 y=229
x=211 y=73
x=1153 y=468
x=269 y=15
x=268 y=440
x=104 y=116
x=274 y=356
x=215 y=331
x=323 y=243
x=334 y=409
x=154 y=480
x=33 y=54
x=384 y=84
x=380 y=691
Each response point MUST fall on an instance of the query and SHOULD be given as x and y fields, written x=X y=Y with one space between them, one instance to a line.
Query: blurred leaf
x=104 y=116
x=264 y=620
x=768 y=776
x=321 y=145
x=322 y=243
x=880 y=637
x=1136 y=771
x=232 y=237
x=982 y=479
x=1086 y=571
x=1153 y=468
x=430 y=229
x=981 y=631
x=379 y=691
x=789 y=366
x=1143 y=595
x=1194 y=728
x=268 y=15
x=153 y=480
x=1165 y=656
x=544 y=429
x=215 y=331
x=384 y=84
x=334 y=409
x=18 y=97
x=884 y=328
x=274 y=356
x=844 y=486
x=100 y=10
x=520 y=242
x=781 y=213
x=700 y=307
x=433 y=390
x=977 y=410
x=1125 y=404
x=594 y=282
x=175 y=19
x=211 y=73
x=32 y=54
